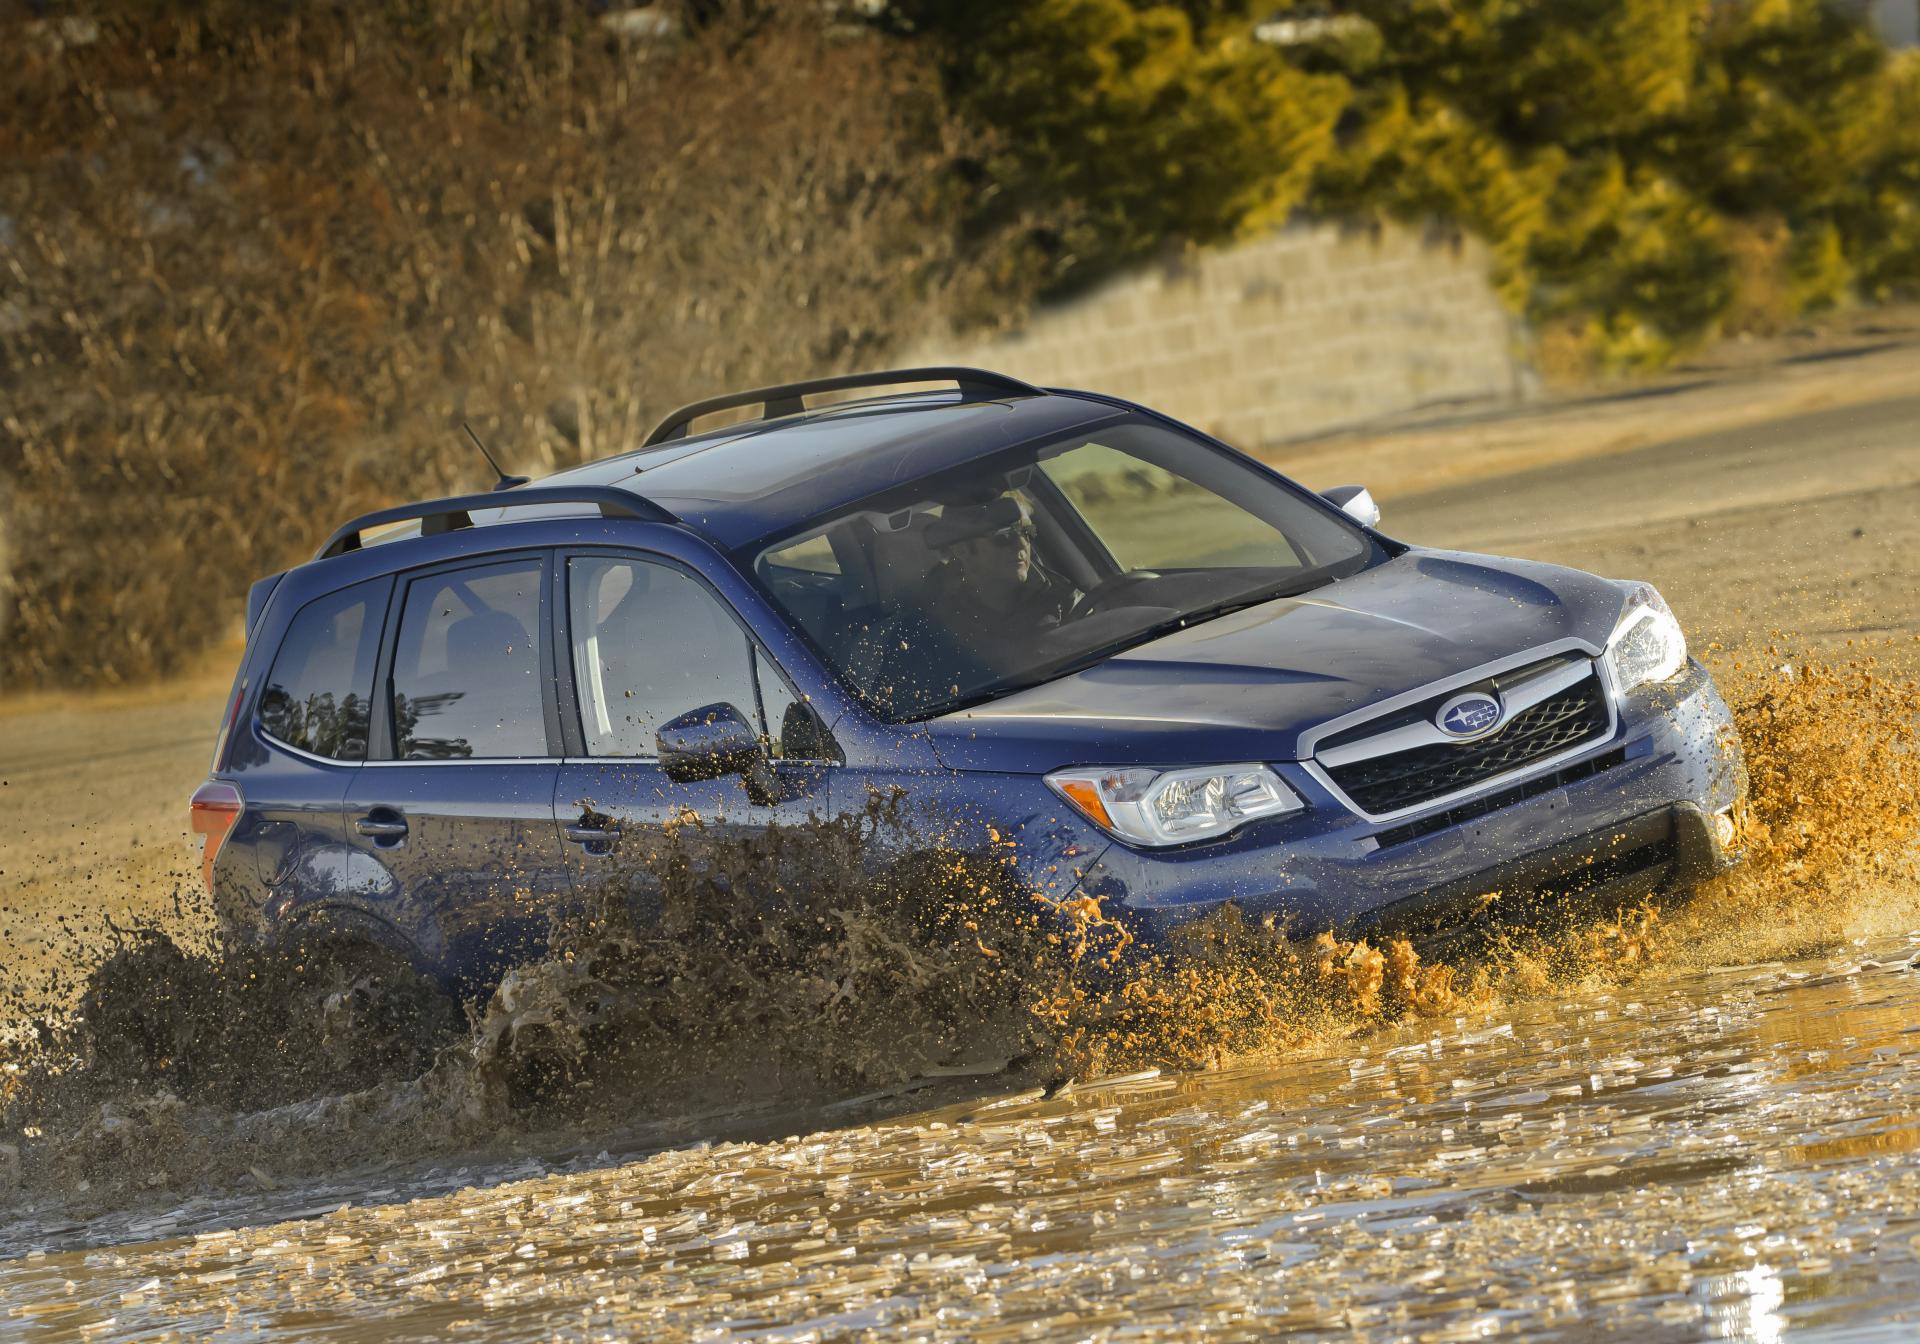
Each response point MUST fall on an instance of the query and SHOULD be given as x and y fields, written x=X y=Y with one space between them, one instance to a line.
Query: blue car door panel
x=646 y=642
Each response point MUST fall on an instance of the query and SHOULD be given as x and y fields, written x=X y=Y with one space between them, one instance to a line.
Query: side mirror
x=712 y=742
x=1356 y=501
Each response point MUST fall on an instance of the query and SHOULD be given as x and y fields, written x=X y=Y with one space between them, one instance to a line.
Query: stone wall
x=1312 y=328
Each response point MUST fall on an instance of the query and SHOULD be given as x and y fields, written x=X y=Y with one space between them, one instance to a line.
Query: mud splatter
x=1832 y=826
x=770 y=975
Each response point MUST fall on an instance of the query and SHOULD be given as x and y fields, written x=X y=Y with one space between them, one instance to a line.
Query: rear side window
x=319 y=690
x=466 y=667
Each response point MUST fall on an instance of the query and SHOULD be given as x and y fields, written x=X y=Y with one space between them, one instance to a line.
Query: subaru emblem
x=1469 y=715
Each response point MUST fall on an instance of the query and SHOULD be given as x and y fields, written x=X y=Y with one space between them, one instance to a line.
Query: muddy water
x=1596 y=1129
x=1729 y=1153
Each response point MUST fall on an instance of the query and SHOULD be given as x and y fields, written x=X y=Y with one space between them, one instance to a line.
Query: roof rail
x=787 y=398
x=449 y=515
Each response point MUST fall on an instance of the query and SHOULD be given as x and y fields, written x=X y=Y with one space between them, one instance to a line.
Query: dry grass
x=258 y=270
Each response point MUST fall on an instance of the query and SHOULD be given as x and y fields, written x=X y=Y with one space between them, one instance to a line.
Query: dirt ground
x=1869 y=357
x=1773 y=492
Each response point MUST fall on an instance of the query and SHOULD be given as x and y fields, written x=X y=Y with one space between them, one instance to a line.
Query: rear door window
x=467 y=665
x=318 y=693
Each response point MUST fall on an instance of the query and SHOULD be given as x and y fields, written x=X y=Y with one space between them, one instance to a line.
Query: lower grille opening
x=1493 y=802
x=1615 y=868
x=1636 y=872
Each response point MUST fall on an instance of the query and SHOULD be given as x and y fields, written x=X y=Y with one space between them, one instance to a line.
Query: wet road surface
x=1721 y=1155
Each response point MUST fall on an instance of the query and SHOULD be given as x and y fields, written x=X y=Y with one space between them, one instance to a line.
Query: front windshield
x=1029 y=565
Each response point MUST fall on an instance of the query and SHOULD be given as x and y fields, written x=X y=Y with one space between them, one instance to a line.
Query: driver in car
x=989 y=589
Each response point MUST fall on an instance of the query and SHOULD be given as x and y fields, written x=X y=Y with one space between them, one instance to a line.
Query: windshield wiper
x=1079 y=662
x=1241 y=603
x=1174 y=624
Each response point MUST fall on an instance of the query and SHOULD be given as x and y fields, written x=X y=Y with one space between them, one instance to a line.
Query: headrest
x=613 y=584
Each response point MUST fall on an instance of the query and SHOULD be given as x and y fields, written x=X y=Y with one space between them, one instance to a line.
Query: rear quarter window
x=319 y=692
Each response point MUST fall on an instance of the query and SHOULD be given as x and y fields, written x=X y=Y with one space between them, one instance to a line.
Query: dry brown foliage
x=259 y=267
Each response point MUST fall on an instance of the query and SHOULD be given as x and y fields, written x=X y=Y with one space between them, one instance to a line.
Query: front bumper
x=1637 y=808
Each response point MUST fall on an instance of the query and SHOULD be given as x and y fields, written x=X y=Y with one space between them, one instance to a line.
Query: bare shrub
x=259 y=269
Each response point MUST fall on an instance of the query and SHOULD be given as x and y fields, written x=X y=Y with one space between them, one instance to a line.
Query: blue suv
x=1071 y=629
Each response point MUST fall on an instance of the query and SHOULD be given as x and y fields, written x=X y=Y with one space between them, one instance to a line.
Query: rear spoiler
x=257 y=600
x=257 y=597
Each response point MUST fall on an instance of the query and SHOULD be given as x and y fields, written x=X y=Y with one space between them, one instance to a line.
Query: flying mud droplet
x=771 y=975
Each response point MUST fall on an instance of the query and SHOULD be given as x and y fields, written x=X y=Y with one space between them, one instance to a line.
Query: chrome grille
x=1380 y=782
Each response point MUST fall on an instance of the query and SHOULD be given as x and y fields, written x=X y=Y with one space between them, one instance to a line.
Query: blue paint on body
x=487 y=858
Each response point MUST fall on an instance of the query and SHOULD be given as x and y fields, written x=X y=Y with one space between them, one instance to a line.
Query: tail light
x=215 y=807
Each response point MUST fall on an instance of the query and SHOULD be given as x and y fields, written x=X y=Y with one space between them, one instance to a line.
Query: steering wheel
x=1102 y=594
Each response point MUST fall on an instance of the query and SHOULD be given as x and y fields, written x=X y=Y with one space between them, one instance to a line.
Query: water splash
x=1832 y=825
x=771 y=975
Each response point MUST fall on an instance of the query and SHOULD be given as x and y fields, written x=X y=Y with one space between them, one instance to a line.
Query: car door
x=647 y=641
x=452 y=815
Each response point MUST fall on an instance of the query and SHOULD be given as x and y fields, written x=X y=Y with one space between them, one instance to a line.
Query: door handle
x=381 y=828
x=588 y=835
x=595 y=829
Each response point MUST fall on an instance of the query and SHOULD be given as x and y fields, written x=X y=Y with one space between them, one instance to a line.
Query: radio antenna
x=505 y=482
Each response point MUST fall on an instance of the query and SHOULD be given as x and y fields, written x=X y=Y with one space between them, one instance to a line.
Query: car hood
x=1246 y=686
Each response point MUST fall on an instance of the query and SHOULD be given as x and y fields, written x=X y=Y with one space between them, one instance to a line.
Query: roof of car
x=755 y=480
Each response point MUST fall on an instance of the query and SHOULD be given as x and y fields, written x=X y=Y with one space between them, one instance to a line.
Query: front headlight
x=1171 y=807
x=1647 y=645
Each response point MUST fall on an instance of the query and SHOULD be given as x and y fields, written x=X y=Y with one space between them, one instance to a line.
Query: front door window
x=649 y=644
